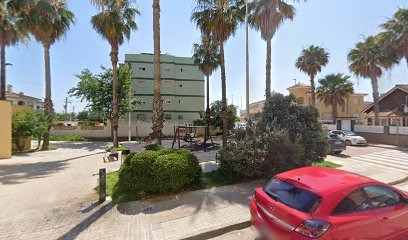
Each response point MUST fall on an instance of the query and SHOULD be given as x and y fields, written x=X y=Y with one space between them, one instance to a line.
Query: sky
x=336 y=25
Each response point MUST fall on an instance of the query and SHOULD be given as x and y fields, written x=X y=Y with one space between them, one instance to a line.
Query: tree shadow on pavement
x=20 y=172
x=189 y=203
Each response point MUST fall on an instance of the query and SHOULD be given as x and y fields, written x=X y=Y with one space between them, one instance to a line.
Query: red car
x=324 y=203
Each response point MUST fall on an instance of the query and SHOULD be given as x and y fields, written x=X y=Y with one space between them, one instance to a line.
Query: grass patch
x=211 y=179
x=327 y=164
x=110 y=148
x=67 y=138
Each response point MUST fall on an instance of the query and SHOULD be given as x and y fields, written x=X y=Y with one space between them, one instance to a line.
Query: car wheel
x=348 y=143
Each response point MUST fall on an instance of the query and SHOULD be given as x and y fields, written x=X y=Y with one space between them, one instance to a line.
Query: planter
x=21 y=144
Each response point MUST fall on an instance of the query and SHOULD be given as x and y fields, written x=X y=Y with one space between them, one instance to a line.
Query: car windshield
x=292 y=196
x=350 y=133
x=334 y=136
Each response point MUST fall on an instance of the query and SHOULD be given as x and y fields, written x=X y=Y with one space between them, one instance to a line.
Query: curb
x=220 y=231
x=405 y=179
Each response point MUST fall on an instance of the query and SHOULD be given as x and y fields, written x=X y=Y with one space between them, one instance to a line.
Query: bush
x=118 y=149
x=154 y=147
x=160 y=171
x=68 y=138
x=286 y=136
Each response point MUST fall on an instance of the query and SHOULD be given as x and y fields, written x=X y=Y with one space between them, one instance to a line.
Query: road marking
x=393 y=159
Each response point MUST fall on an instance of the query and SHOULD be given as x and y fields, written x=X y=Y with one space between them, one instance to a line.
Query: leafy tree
x=367 y=60
x=95 y=89
x=207 y=57
x=311 y=61
x=11 y=32
x=83 y=115
x=333 y=89
x=396 y=33
x=267 y=16
x=49 y=21
x=115 y=22
x=216 y=120
x=220 y=19
x=26 y=124
x=157 y=118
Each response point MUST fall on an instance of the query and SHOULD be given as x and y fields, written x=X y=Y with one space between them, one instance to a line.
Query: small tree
x=26 y=124
x=216 y=115
x=96 y=90
x=83 y=116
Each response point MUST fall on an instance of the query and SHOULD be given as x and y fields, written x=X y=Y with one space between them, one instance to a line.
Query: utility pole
x=66 y=105
x=247 y=62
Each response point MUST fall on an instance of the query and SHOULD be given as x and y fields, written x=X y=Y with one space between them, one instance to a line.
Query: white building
x=19 y=99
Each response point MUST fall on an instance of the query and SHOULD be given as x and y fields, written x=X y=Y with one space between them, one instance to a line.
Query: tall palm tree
x=267 y=16
x=115 y=24
x=367 y=60
x=158 y=118
x=11 y=32
x=396 y=33
x=49 y=21
x=311 y=61
x=207 y=57
x=220 y=18
x=333 y=90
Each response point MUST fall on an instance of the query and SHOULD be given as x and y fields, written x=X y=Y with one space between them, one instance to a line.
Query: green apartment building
x=182 y=86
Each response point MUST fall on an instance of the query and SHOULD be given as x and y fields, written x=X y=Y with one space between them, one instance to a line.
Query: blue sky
x=333 y=24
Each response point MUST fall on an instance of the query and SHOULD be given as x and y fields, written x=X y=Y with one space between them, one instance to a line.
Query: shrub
x=286 y=136
x=154 y=147
x=160 y=171
x=110 y=148
x=68 y=138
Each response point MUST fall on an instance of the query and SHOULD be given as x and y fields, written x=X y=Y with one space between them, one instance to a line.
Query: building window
x=301 y=100
x=38 y=107
x=180 y=117
x=181 y=69
x=167 y=68
x=141 y=84
x=141 y=67
x=142 y=100
x=168 y=116
x=167 y=83
x=141 y=117
x=167 y=101
x=20 y=103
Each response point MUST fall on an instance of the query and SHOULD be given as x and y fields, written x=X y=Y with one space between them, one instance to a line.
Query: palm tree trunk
x=224 y=98
x=3 y=72
x=374 y=84
x=334 y=110
x=47 y=101
x=115 y=115
x=313 y=90
x=157 y=104
x=207 y=110
x=268 y=68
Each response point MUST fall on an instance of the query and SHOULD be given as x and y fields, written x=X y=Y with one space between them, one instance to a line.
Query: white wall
x=399 y=130
x=138 y=129
x=369 y=129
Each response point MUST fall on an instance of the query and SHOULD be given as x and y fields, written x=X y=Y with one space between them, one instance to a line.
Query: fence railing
x=398 y=130
x=369 y=129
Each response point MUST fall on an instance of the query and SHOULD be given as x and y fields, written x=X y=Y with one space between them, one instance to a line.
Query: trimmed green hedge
x=161 y=171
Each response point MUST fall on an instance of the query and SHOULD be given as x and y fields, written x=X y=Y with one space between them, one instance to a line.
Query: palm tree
x=367 y=60
x=11 y=32
x=311 y=61
x=115 y=24
x=158 y=118
x=49 y=21
x=333 y=89
x=220 y=19
x=207 y=57
x=396 y=33
x=267 y=16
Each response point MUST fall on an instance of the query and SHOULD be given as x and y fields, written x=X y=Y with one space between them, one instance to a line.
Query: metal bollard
x=102 y=185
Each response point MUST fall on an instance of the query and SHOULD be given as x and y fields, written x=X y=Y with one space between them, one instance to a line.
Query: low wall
x=5 y=129
x=369 y=129
x=399 y=130
x=397 y=140
x=138 y=129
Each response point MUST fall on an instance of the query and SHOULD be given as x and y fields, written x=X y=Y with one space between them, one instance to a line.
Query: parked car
x=325 y=203
x=336 y=144
x=350 y=137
